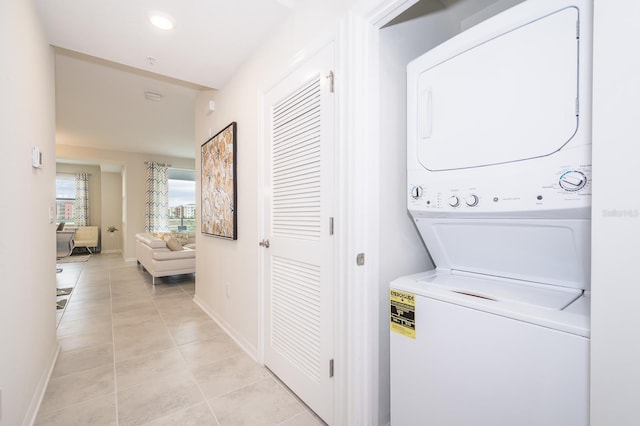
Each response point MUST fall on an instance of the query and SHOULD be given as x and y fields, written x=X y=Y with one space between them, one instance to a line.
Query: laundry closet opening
x=415 y=31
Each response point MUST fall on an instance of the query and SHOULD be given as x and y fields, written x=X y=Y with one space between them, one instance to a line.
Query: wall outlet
x=228 y=290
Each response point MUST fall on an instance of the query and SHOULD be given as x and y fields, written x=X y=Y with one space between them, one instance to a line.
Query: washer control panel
x=566 y=188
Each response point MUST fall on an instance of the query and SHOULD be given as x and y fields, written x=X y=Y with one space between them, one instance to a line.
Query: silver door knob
x=264 y=243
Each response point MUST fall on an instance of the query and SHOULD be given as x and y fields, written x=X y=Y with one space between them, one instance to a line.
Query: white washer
x=490 y=362
x=499 y=186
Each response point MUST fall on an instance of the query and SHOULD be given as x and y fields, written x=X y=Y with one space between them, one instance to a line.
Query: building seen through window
x=65 y=198
x=182 y=200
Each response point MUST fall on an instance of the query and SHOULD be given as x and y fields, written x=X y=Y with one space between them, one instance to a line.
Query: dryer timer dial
x=573 y=180
x=416 y=192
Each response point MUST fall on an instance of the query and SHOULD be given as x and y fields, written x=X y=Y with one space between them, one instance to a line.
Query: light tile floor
x=132 y=354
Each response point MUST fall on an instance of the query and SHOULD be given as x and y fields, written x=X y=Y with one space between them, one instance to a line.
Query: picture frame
x=218 y=184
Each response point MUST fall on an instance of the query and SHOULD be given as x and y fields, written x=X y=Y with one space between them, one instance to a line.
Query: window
x=65 y=198
x=182 y=200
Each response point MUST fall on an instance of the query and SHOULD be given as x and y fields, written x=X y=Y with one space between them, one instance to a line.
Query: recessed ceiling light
x=161 y=20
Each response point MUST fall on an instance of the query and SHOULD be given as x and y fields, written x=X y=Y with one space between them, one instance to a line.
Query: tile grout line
x=111 y=267
x=305 y=407
x=75 y=285
x=113 y=343
x=177 y=346
x=270 y=376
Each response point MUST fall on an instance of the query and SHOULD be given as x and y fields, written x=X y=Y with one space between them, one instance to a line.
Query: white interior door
x=298 y=210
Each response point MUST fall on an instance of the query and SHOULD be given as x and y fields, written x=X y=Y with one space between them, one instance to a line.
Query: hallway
x=132 y=354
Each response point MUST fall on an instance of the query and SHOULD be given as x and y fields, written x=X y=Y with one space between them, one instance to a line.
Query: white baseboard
x=241 y=341
x=34 y=406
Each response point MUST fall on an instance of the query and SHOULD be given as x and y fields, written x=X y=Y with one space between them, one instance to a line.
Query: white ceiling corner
x=102 y=69
x=210 y=40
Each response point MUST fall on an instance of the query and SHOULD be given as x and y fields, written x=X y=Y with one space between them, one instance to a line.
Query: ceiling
x=102 y=105
x=210 y=40
x=103 y=68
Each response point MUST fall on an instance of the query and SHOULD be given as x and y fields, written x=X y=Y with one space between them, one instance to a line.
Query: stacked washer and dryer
x=499 y=187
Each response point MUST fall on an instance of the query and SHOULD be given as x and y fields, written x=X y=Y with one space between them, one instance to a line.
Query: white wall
x=468 y=13
x=235 y=263
x=134 y=182
x=27 y=248
x=111 y=211
x=615 y=307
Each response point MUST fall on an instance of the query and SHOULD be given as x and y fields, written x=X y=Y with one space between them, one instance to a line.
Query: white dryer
x=499 y=186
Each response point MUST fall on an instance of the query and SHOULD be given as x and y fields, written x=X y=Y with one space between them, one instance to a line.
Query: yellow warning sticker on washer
x=403 y=313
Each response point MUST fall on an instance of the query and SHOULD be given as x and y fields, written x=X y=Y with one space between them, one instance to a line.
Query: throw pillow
x=181 y=237
x=172 y=243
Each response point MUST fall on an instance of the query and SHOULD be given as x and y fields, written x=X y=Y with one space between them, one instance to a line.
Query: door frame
x=360 y=106
x=357 y=221
x=327 y=38
x=315 y=69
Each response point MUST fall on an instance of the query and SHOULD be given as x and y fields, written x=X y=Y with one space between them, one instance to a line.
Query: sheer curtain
x=157 y=200
x=81 y=205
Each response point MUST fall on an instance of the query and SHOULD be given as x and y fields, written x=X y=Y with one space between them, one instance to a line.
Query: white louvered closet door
x=298 y=264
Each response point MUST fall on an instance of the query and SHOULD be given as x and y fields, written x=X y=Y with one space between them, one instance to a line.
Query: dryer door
x=511 y=97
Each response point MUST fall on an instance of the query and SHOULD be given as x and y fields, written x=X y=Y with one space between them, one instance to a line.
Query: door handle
x=264 y=243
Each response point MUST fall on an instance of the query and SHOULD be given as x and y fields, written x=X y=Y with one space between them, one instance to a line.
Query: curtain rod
x=159 y=164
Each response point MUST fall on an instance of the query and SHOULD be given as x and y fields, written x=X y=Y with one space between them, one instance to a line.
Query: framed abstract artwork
x=218 y=184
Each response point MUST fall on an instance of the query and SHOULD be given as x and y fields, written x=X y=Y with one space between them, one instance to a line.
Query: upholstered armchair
x=87 y=237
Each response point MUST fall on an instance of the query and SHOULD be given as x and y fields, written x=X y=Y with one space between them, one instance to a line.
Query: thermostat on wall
x=36 y=160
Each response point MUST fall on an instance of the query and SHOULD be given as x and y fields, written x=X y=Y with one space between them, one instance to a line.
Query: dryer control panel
x=567 y=188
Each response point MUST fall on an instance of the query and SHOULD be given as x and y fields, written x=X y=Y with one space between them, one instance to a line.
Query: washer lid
x=511 y=97
x=540 y=296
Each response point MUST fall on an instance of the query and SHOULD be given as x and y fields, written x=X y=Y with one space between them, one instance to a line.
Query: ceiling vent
x=152 y=96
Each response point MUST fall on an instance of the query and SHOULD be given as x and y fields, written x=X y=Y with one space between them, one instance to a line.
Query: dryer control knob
x=416 y=192
x=471 y=200
x=573 y=180
x=454 y=201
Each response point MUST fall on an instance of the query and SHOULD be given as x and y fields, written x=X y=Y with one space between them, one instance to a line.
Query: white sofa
x=160 y=261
